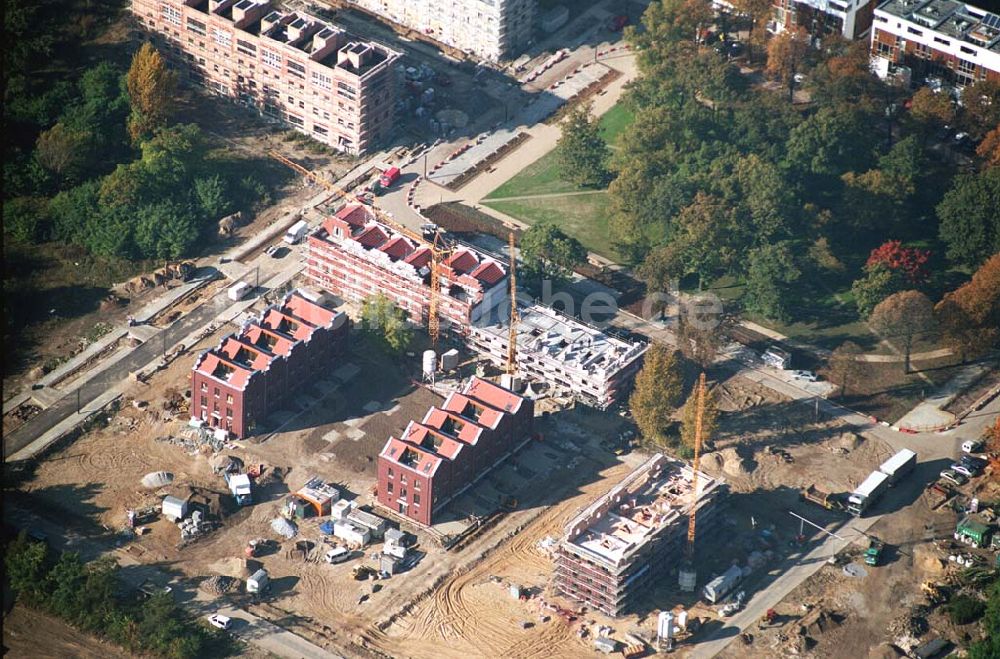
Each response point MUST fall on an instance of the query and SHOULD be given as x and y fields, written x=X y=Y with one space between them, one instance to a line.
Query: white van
x=337 y=555
x=296 y=232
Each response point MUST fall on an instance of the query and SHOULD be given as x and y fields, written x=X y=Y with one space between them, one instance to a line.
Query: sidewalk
x=930 y=414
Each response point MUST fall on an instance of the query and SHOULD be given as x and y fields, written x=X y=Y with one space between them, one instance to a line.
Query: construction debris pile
x=220 y=585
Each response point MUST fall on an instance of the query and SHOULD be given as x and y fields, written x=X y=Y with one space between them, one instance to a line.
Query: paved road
x=135 y=360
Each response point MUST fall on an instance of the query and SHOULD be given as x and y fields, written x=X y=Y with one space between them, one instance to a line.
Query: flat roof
x=958 y=20
x=545 y=333
x=651 y=498
x=318 y=491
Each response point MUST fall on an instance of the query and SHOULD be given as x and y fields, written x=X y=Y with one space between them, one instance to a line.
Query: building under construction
x=354 y=255
x=633 y=535
x=573 y=358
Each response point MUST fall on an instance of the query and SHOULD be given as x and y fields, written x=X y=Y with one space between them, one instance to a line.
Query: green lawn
x=583 y=216
x=543 y=176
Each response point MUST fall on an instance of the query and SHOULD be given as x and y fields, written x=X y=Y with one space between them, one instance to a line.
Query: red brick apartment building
x=850 y=19
x=354 y=256
x=290 y=67
x=957 y=42
x=251 y=373
x=437 y=458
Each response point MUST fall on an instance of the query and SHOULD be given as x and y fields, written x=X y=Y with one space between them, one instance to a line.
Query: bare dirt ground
x=22 y=638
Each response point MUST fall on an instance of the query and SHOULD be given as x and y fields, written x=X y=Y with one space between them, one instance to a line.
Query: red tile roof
x=493 y=395
x=407 y=455
x=245 y=353
x=397 y=248
x=216 y=366
x=489 y=273
x=265 y=339
x=477 y=411
x=419 y=258
x=372 y=236
x=462 y=261
x=309 y=311
x=355 y=214
x=452 y=424
x=281 y=322
x=431 y=440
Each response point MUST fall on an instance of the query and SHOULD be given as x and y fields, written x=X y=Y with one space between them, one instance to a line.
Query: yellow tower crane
x=512 y=338
x=687 y=577
x=439 y=251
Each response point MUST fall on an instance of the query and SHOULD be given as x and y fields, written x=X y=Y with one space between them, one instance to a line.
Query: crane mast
x=512 y=338
x=698 y=419
x=438 y=253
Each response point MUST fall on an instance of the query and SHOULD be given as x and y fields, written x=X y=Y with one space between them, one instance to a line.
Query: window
x=197 y=27
x=911 y=30
x=922 y=51
x=296 y=69
x=217 y=392
x=942 y=41
x=322 y=81
x=402 y=479
x=246 y=48
x=229 y=413
x=389 y=472
x=271 y=59
x=204 y=386
x=320 y=130
x=222 y=37
x=229 y=398
x=416 y=485
x=416 y=499
x=967 y=51
x=346 y=90
x=171 y=14
x=204 y=401
x=388 y=488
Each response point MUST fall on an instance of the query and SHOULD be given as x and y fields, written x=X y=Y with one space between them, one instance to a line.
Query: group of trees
x=87 y=595
x=659 y=395
x=386 y=324
x=714 y=177
x=156 y=204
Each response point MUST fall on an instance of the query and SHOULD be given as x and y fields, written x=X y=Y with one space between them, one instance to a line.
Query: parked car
x=962 y=469
x=808 y=376
x=337 y=555
x=972 y=446
x=953 y=476
x=220 y=621
x=975 y=465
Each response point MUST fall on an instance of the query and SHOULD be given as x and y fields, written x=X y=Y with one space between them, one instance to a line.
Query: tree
x=689 y=416
x=970 y=223
x=970 y=315
x=26 y=219
x=830 y=143
x=66 y=580
x=785 y=57
x=659 y=387
x=981 y=104
x=766 y=197
x=931 y=109
x=150 y=86
x=665 y=23
x=662 y=268
x=909 y=262
x=878 y=283
x=548 y=253
x=385 y=323
x=902 y=317
x=844 y=366
x=61 y=151
x=989 y=148
x=771 y=273
x=707 y=235
x=698 y=337
x=213 y=197
x=759 y=12
x=25 y=561
x=582 y=152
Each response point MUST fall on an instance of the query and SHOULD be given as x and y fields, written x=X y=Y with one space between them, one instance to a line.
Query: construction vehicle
x=867 y=493
x=769 y=619
x=937 y=493
x=819 y=497
x=973 y=532
x=633 y=650
x=240 y=487
x=874 y=552
x=362 y=572
x=388 y=177
x=439 y=250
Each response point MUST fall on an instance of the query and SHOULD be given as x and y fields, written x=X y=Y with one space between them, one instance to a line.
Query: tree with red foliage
x=910 y=262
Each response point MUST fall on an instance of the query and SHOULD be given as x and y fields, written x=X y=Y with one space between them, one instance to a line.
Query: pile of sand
x=230 y=567
x=732 y=463
x=848 y=441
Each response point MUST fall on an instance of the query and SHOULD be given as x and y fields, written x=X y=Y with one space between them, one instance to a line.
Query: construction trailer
x=319 y=495
x=376 y=525
x=633 y=535
x=352 y=534
x=174 y=509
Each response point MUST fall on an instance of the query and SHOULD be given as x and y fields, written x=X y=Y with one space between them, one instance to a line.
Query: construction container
x=341 y=509
x=449 y=360
x=375 y=524
x=174 y=509
x=238 y=291
x=258 y=581
x=388 y=564
x=605 y=644
x=352 y=534
x=719 y=587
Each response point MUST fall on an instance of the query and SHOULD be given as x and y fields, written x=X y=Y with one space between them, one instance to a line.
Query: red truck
x=388 y=177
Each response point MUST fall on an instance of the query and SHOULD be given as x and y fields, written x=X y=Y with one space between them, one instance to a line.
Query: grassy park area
x=580 y=212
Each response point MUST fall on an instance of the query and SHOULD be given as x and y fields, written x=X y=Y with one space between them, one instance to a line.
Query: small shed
x=319 y=495
x=377 y=525
x=352 y=534
x=341 y=510
x=388 y=564
x=174 y=508
x=605 y=644
x=394 y=537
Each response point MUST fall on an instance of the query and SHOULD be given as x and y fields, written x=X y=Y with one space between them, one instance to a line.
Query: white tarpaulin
x=157 y=479
x=284 y=528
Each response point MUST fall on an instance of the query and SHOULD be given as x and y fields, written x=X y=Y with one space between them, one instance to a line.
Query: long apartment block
x=634 y=534
x=439 y=457
x=850 y=19
x=354 y=256
x=492 y=30
x=957 y=42
x=252 y=373
x=570 y=356
x=290 y=67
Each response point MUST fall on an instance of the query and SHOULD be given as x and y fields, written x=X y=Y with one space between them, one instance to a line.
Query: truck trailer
x=899 y=465
x=867 y=493
x=722 y=585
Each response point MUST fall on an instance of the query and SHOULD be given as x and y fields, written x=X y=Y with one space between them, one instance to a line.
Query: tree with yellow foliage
x=150 y=86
